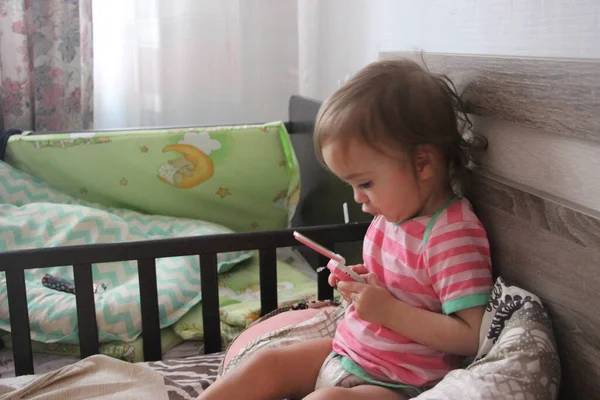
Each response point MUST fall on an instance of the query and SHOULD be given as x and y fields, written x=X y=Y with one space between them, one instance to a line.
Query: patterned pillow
x=517 y=359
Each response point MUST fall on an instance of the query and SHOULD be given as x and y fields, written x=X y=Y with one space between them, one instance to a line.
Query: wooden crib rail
x=14 y=263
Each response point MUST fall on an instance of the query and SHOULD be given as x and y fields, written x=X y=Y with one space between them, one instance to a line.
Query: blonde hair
x=397 y=104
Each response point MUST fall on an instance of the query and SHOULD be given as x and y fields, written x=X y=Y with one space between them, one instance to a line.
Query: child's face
x=382 y=184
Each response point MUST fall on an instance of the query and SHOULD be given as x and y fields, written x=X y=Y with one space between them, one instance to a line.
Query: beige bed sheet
x=98 y=377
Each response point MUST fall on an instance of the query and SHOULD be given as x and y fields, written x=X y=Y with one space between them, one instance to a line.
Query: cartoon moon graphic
x=203 y=165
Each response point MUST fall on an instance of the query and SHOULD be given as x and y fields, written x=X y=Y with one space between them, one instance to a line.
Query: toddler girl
x=394 y=132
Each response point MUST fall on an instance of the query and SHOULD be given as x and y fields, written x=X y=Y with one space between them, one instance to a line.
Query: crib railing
x=14 y=264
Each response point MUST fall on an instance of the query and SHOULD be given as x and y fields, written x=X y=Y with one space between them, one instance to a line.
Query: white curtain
x=191 y=62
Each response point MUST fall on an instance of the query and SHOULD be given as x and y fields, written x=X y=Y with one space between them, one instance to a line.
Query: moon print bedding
x=243 y=177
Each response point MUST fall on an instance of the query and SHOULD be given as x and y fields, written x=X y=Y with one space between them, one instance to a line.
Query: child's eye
x=365 y=185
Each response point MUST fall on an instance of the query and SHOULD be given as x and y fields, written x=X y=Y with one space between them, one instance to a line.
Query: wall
x=225 y=61
x=339 y=36
x=352 y=37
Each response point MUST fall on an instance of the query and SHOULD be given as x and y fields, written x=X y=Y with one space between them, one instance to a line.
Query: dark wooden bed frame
x=539 y=241
x=302 y=112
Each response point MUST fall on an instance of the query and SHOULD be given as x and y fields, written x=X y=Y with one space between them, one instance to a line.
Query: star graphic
x=83 y=191
x=123 y=182
x=283 y=163
x=223 y=192
x=254 y=225
x=144 y=149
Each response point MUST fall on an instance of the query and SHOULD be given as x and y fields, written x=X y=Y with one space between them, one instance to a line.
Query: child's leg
x=289 y=371
x=361 y=392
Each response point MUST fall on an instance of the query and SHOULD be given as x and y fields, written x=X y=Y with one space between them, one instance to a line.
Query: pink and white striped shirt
x=440 y=264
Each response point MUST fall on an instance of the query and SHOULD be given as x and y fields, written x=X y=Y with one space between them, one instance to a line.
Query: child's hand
x=359 y=269
x=370 y=299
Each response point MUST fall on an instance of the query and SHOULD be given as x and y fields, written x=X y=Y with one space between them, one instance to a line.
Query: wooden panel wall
x=549 y=105
x=538 y=193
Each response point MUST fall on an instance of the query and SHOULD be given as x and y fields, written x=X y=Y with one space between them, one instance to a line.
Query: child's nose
x=360 y=197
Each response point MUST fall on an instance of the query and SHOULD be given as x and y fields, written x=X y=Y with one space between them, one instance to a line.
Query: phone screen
x=316 y=247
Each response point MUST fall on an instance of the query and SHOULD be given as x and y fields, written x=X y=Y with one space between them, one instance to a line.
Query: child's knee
x=267 y=359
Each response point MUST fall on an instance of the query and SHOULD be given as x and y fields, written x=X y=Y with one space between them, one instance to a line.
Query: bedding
x=98 y=377
x=34 y=215
x=48 y=361
x=239 y=298
x=239 y=295
x=243 y=177
x=183 y=379
x=517 y=357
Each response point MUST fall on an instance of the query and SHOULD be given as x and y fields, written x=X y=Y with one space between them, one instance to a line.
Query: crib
x=145 y=253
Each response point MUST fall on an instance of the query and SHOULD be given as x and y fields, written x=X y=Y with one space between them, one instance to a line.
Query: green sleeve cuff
x=472 y=300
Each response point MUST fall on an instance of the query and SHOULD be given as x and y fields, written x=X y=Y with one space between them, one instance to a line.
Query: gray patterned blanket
x=517 y=356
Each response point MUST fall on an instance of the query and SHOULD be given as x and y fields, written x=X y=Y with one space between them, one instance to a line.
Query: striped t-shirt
x=440 y=263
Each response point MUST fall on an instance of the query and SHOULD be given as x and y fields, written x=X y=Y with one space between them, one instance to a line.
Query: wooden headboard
x=538 y=190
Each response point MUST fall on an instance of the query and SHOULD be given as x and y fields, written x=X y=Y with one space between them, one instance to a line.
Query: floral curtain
x=46 y=79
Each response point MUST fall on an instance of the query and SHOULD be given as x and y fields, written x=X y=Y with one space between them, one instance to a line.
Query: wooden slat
x=268 y=280
x=210 y=303
x=176 y=247
x=555 y=164
x=86 y=310
x=324 y=290
x=554 y=252
x=556 y=95
x=537 y=212
x=19 y=322
x=149 y=309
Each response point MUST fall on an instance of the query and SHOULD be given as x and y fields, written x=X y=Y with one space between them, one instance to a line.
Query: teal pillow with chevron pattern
x=35 y=215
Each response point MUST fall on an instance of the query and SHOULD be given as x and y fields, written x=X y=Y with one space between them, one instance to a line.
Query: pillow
x=278 y=323
x=517 y=359
x=239 y=299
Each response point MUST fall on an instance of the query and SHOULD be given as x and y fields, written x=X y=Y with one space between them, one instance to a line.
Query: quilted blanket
x=517 y=356
x=34 y=215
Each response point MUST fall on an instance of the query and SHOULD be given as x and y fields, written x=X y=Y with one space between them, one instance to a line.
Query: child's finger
x=332 y=280
x=347 y=287
x=371 y=279
x=359 y=269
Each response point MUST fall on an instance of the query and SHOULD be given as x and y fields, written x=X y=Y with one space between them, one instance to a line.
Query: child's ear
x=425 y=157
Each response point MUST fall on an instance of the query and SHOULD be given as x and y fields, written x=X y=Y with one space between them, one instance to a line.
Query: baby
x=394 y=132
